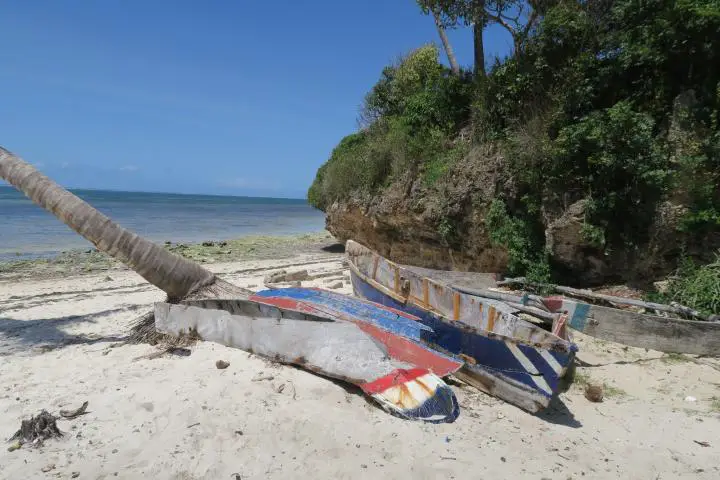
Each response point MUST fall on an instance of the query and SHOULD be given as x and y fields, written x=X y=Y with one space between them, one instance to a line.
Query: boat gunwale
x=563 y=346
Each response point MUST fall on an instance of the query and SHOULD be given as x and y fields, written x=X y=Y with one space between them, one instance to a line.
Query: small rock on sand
x=285 y=276
x=222 y=364
x=594 y=393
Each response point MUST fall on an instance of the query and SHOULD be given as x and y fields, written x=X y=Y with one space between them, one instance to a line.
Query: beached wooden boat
x=506 y=356
x=403 y=376
x=664 y=334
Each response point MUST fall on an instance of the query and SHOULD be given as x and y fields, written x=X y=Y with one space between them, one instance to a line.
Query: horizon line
x=7 y=185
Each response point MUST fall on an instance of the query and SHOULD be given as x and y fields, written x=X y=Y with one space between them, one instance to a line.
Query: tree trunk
x=446 y=44
x=478 y=28
x=177 y=276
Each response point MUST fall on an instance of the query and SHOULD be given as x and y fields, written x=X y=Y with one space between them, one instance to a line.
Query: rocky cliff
x=445 y=226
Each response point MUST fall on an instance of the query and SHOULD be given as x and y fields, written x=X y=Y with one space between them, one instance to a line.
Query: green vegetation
x=616 y=104
x=411 y=116
x=695 y=286
x=582 y=380
x=674 y=358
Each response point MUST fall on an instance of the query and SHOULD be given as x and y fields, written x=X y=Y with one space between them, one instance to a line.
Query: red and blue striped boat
x=505 y=355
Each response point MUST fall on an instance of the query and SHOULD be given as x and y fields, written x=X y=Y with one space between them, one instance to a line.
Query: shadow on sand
x=45 y=334
x=559 y=414
x=334 y=248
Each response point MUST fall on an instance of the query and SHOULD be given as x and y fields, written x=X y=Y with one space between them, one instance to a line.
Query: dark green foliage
x=610 y=157
x=525 y=254
x=603 y=78
x=420 y=92
x=697 y=287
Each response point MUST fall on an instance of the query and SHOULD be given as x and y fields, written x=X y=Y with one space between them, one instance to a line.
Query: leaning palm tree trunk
x=178 y=277
x=446 y=44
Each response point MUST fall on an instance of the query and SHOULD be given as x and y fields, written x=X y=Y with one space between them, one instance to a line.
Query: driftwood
x=583 y=293
x=36 y=430
x=536 y=307
x=70 y=414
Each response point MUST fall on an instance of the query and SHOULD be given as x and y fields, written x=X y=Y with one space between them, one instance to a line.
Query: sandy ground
x=179 y=417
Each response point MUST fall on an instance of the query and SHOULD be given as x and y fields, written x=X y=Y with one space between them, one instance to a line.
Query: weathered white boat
x=405 y=381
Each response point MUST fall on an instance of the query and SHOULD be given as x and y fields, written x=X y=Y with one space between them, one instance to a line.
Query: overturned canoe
x=506 y=356
x=325 y=345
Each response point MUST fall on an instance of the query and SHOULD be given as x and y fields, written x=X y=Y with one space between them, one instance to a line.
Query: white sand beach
x=179 y=417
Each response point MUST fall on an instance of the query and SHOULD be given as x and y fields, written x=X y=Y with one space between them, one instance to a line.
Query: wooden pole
x=583 y=293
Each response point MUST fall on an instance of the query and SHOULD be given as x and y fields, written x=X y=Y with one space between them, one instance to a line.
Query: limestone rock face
x=443 y=226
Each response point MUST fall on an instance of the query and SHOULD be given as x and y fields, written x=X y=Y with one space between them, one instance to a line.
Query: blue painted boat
x=506 y=356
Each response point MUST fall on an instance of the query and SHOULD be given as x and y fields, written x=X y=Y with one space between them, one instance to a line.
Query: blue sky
x=218 y=97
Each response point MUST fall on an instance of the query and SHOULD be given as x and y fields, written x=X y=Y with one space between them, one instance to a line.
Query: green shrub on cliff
x=695 y=286
x=411 y=116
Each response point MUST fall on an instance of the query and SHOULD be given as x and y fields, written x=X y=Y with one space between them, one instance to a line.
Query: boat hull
x=408 y=333
x=337 y=349
x=537 y=372
x=499 y=347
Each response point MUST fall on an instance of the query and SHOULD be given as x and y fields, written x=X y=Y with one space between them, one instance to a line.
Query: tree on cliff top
x=518 y=17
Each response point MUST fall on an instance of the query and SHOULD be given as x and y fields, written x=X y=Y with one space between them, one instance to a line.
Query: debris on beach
x=283 y=276
x=36 y=430
x=262 y=377
x=42 y=427
x=594 y=393
x=70 y=414
x=172 y=350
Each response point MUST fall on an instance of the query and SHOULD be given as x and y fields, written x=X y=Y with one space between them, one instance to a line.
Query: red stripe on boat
x=288 y=303
x=553 y=303
x=408 y=351
x=396 y=377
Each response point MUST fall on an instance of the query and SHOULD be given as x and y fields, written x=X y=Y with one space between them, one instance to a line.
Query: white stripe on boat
x=557 y=368
x=529 y=367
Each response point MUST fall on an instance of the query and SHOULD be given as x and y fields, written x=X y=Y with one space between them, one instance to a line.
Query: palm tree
x=178 y=277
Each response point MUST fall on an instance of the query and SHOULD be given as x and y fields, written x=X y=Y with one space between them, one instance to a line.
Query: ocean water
x=27 y=230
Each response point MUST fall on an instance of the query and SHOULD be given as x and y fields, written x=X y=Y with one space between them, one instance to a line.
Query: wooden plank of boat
x=669 y=335
x=407 y=326
x=409 y=288
x=329 y=347
x=487 y=332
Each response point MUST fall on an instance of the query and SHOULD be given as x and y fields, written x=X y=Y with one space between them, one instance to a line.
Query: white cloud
x=64 y=165
x=129 y=168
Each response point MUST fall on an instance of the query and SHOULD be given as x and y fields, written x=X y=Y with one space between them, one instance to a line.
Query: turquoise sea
x=27 y=230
